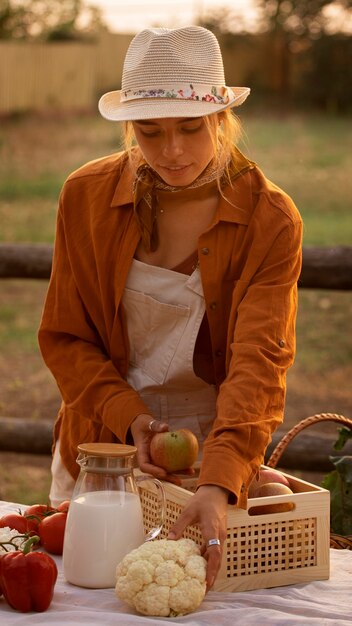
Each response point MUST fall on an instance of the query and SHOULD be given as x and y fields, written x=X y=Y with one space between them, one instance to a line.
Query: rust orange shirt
x=250 y=261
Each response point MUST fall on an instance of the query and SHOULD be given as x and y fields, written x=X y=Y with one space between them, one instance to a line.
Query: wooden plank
x=326 y=268
x=25 y=260
x=323 y=268
x=307 y=452
x=26 y=435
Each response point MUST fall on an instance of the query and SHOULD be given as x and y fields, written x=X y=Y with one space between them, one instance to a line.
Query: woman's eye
x=150 y=133
x=191 y=129
x=156 y=132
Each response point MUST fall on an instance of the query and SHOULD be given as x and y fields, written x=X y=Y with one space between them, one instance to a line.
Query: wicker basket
x=336 y=541
x=262 y=550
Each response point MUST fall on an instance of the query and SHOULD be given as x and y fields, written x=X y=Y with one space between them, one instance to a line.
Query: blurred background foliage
x=297 y=60
x=297 y=127
x=49 y=20
x=304 y=49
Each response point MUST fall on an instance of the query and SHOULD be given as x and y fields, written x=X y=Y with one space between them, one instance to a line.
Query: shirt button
x=213 y=305
x=205 y=250
x=282 y=343
x=218 y=353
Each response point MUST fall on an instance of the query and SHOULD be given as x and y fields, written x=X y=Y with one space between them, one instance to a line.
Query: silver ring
x=150 y=425
x=214 y=542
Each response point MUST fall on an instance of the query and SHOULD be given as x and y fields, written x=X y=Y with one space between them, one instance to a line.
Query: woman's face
x=178 y=149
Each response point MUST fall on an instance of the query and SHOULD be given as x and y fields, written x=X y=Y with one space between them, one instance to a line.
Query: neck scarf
x=146 y=186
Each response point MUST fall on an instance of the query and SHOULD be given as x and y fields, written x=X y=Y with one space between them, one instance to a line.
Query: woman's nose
x=172 y=146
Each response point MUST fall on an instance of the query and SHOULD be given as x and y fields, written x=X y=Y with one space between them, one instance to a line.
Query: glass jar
x=105 y=518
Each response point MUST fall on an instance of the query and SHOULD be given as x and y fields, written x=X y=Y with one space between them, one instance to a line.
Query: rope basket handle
x=309 y=421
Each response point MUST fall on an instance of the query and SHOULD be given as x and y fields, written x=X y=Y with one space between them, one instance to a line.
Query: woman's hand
x=143 y=428
x=208 y=508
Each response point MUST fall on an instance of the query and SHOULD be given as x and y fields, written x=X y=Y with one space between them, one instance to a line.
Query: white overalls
x=164 y=310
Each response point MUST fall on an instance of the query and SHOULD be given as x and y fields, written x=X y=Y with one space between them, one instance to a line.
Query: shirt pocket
x=154 y=331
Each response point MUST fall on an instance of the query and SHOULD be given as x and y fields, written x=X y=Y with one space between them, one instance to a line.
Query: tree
x=293 y=26
x=48 y=19
x=299 y=18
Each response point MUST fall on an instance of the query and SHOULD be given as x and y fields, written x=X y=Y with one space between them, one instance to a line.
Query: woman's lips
x=175 y=170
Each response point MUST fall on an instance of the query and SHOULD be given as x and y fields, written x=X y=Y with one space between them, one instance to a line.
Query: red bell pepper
x=27 y=579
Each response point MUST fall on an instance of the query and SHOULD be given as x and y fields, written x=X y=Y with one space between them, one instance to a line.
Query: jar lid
x=107 y=449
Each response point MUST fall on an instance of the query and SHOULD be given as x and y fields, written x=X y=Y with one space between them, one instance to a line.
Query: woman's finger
x=159 y=472
x=213 y=556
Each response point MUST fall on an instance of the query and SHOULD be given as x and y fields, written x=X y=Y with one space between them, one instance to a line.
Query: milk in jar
x=101 y=528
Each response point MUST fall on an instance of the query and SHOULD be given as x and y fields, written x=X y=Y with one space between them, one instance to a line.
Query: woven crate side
x=176 y=499
x=277 y=549
x=262 y=550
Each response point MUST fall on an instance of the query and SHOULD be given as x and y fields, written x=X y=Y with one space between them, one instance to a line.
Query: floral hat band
x=204 y=93
x=171 y=73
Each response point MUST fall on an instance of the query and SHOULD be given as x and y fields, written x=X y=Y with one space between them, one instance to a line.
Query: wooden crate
x=265 y=550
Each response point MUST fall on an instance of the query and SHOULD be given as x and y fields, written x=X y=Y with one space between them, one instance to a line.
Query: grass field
x=308 y=155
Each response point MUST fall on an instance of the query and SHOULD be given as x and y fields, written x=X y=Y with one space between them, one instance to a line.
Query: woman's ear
x=220 y=118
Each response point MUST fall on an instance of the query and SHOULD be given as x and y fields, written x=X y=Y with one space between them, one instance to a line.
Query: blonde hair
x=225 y=131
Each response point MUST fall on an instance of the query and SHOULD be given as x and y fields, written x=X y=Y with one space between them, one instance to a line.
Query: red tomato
x=51 y=532
x=16 y=521
x=36 y=513
x=63 y=507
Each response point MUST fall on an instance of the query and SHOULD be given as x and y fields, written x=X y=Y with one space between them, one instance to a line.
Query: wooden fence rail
x=309 y=452
x=323 y=268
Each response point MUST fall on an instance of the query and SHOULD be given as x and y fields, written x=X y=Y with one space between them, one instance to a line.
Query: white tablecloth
x=321 y=603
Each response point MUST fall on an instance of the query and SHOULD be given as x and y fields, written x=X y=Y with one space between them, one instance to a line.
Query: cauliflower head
x=162 y=578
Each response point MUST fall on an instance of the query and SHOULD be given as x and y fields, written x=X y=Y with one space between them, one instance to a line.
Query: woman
x=172 y=300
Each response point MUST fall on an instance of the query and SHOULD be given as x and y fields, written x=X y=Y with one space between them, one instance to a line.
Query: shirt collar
x=235 y=204
x=124 y=189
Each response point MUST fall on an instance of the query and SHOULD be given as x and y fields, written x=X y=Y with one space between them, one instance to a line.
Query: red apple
x=266 y=475
x=174 y=450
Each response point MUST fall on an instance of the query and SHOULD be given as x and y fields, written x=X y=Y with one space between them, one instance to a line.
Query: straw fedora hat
x=171 y=73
